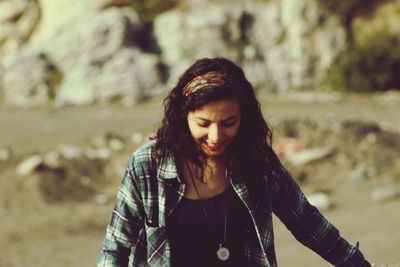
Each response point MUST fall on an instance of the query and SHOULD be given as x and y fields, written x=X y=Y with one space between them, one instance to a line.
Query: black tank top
x=192 y=241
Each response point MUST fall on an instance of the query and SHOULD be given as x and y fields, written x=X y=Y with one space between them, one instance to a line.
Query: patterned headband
x=207 y=80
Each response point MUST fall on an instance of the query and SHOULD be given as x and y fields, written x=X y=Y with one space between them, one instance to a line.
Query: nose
x=214 y=133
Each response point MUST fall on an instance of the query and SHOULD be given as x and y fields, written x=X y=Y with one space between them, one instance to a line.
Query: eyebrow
x=224 y=120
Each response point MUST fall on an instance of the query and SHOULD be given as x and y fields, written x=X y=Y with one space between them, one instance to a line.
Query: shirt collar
x=167 y=169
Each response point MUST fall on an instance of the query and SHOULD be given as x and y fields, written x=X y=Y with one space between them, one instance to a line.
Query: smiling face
x=215 y=125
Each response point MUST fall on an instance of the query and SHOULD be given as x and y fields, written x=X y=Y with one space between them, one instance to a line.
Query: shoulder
x=143 y=157
x=145 y=149
x=147 y=163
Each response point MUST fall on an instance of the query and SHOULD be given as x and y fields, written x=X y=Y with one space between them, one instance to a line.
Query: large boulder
x=92 y=38
x=102 y=62
x=281 y=45
x=18 y=19
x=204 y=31
x=103 y=51
x=56 y=15
x=385 y=19
x=297 y=42
x=30 y=80
x=99 y=58
x=129 y=75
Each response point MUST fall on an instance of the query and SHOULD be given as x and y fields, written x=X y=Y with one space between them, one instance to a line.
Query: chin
x=213 y=154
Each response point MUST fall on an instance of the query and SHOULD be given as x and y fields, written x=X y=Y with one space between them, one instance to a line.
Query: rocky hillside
x=60 y=52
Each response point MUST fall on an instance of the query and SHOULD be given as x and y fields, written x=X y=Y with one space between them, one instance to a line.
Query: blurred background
x=82 y=84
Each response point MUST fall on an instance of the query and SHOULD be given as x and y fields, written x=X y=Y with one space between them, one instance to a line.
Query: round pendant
x=223 y=253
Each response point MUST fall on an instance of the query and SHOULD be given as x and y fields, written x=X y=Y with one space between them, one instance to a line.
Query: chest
x=203 y=184
x=162 y=196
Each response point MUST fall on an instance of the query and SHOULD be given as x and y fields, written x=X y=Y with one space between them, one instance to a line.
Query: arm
x=308 y=225
x=126 y=222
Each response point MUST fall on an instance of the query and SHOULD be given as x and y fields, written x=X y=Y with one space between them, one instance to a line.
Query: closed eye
x=229 y=124
x=204 y=125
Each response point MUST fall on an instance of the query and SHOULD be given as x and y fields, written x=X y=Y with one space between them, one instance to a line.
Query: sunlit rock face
x=102 y=50
x=281 y=45
x=18 y=20
x=95 y=56
x=385 y=19
x=30 y=80
x=55 y=15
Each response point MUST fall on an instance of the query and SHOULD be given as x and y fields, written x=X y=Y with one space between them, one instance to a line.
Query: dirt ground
x=65 y=231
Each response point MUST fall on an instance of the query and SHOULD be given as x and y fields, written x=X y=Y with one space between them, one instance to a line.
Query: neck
x=215 y=162
x=214 y=169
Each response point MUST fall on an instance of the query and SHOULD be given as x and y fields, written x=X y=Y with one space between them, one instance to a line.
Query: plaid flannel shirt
x=151 y=189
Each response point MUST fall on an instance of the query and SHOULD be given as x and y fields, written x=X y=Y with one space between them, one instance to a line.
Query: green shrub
x=347 y=10
x=375 y=66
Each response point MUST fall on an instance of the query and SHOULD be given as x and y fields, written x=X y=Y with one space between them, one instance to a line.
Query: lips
x=213 y=147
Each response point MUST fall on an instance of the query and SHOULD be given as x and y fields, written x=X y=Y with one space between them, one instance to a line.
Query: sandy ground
x=37 y=233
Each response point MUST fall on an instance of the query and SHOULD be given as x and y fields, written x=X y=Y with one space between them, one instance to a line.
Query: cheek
x=196 y=132
x=233 y=134
x=234 y=131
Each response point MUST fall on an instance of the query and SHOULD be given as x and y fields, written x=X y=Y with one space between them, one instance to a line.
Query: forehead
x=217 y=110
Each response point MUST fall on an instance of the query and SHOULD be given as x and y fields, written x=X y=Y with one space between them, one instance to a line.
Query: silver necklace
x=222 y=252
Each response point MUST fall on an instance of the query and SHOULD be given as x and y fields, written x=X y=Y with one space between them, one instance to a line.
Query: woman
x=203 y=192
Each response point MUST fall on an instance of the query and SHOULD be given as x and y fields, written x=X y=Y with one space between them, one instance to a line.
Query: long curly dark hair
x=253 y=141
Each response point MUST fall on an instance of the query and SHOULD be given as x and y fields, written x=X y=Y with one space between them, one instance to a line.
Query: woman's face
x=215 y=125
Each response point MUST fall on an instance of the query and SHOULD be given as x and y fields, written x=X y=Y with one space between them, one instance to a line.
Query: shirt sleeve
x=308 y=225
x=122 y=232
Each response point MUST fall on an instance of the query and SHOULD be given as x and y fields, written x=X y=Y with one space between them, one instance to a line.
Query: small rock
x=70 y=151
x=5 y=154
x=28 y=165
x=320 y=200
x=311 y=155
x=385 y=193
x=85 y=180
x=100 y=153
x=137 y=138
x=99 y=140
x=52 y=159
x=116 y=144
x=101 y=199
x=371 y=138
x=358 y=175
